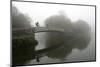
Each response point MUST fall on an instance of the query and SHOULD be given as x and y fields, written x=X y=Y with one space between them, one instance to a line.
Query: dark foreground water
x=73 y=55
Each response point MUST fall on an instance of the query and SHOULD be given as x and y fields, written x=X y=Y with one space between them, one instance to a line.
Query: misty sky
x=40 y=12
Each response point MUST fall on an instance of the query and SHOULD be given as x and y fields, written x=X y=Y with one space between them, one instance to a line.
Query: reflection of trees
x=76 y=35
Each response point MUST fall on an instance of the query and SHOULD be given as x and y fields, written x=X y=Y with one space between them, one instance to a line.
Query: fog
x=40 y=11
x=77 y=43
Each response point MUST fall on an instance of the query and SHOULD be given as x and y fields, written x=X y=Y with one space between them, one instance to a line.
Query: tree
x=70 y=37
x=19 y=20
x=23 y=49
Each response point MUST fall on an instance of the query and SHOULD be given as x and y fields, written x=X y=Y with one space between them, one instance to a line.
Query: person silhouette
x=37 y=24
x=37 y=58
x=47 y=27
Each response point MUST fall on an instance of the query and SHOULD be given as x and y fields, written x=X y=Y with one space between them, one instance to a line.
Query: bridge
x=38 y=29
x=29 y=32
x=47 y=29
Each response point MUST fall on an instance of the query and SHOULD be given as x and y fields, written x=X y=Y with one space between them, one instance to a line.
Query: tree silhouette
x=19 y=20
x=23 y=49
x=76 y=35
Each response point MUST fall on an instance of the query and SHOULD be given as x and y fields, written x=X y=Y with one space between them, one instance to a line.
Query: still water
x=86 y=54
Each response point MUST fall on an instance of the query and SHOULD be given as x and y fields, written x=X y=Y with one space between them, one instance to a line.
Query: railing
x=29 y=32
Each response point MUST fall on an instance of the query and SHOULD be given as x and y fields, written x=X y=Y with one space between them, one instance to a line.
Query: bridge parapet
x=29 y=32
x=37 y=29
x=47 y=29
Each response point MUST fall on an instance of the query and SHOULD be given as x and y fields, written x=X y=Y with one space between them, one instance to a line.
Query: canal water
x=74 y=55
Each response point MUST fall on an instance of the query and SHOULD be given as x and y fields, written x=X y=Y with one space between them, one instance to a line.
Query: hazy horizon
x=41 y=11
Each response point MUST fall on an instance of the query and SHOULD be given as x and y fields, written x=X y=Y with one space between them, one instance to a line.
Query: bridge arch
x=30 y=31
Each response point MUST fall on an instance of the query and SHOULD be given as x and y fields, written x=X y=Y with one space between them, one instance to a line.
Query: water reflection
x=65 y=49
x=60 y=52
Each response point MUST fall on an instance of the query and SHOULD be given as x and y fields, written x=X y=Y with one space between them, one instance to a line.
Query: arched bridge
x=47 y=29
x=39 y=29
x=28 y=32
